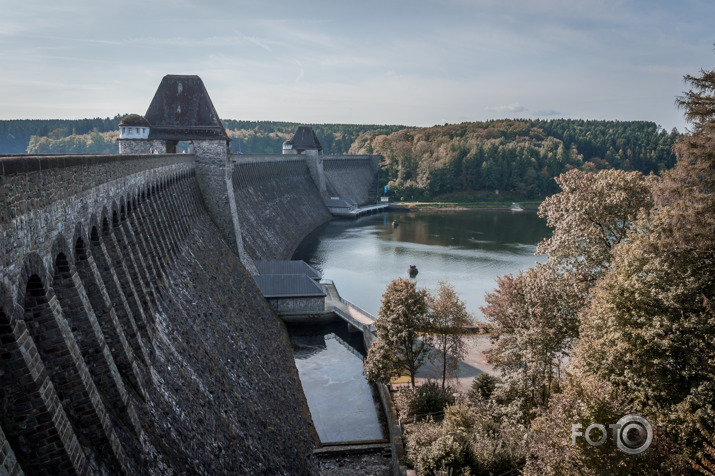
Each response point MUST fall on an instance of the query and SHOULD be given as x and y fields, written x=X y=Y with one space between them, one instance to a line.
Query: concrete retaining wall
x=295 y=305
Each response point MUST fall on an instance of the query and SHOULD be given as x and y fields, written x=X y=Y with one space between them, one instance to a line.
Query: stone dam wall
x=278 y=204
x=132 y=338
x=352 y=177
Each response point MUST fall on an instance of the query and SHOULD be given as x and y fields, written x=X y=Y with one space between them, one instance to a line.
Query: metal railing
x=347 y=316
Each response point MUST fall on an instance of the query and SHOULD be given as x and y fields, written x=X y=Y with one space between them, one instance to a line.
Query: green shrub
x=482 y=387
x=418 y=436
x=497 y=453
x=445 y=455
x=424 y=400
x=458 y=419
x=486 y=439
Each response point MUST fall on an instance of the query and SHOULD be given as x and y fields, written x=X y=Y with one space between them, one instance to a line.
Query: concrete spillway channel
x=342 y=403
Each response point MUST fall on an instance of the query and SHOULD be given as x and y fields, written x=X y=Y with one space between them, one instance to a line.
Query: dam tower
x=182 y=111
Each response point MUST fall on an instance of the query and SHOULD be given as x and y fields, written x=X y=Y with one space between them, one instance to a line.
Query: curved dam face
x=352 y=177
x=277 y=203
x=280 y=199
x=132 y=338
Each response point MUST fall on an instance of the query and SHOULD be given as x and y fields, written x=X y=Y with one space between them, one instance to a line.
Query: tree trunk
x=444 y=367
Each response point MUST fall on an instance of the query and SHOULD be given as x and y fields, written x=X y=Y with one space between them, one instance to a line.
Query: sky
x=417 y=62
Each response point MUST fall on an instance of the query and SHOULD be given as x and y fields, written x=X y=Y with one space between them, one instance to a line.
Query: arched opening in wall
x=94 y=236
x=84 y=327
x=46 y=334
x=58 y=352
x=62 y=266
x=95 y=293
x=80 y=250
x=35 y=298
x=179 y=147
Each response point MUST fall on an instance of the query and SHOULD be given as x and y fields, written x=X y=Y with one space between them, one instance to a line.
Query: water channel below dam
x=329 y=360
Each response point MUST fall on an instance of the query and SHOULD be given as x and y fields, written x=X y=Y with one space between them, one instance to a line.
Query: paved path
x=473 y=364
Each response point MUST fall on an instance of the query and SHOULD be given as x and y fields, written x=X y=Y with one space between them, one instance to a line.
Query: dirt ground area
x=474 y=363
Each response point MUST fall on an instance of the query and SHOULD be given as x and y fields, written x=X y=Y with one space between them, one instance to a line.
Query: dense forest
x=34 y=135
x=494 y=160
x=511 y=159
x=98 y=136
x=267 y=137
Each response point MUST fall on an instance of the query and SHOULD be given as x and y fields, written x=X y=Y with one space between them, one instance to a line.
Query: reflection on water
x=330 y=367
x=467 y=248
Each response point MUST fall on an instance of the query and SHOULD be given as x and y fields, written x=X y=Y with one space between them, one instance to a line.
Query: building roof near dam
x=182 y=110
x=288 y=286
x=304 y=139
x=287 y=267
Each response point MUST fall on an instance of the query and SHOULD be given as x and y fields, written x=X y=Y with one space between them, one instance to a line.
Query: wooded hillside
x=472 y=161
x=517 y=158
x=98 y=136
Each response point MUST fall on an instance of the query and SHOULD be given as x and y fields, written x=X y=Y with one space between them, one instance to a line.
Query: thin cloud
x=514 y=107
x=548 y=113
x=439 y=61
x=258 y=42
x=301 y=71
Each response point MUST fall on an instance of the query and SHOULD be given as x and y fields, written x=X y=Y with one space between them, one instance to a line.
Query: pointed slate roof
x=305 y=139
x=182 y=110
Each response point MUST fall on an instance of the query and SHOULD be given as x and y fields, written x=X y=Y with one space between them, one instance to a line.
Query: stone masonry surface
x=352 y=177
x=278 y=204
x=132 y=338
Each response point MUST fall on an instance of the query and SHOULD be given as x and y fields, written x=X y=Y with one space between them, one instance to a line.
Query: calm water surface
x=469 y=249
x=330 y=366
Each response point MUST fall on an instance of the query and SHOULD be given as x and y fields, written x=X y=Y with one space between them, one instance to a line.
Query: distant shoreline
x=451 y=206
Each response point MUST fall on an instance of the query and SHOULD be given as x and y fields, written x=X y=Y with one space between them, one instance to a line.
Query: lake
x=467 y=248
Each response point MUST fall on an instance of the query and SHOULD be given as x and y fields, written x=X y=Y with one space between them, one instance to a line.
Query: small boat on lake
x=515 y=207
